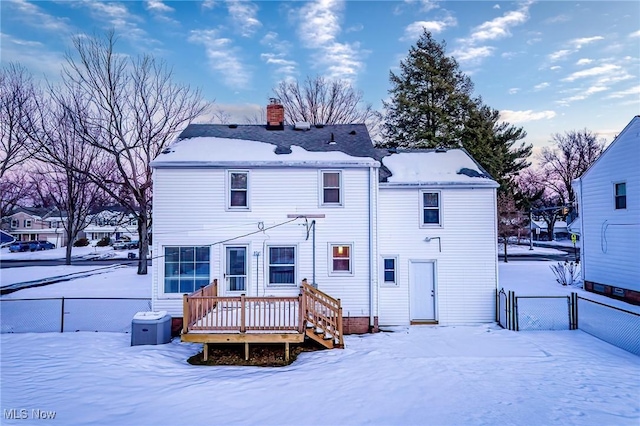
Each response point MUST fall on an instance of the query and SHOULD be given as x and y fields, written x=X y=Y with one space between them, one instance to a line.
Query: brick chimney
x=275 y=115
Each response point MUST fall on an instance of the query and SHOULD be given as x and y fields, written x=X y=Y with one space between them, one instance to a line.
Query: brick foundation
x=629 y=296
x=359 y=325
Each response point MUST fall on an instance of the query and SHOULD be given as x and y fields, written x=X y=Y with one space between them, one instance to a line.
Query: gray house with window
x=387 y=232
x=608 y=196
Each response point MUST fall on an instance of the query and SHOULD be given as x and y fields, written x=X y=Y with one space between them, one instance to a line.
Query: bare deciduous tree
x=17 y=92
x=15 y=187
x=66 y=163
x=572 y=154
x=510 y=220
x=134 y=111
x=322 y=101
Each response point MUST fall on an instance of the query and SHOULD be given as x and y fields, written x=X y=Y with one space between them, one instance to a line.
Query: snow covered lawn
x=87 y=252
x=417 y=375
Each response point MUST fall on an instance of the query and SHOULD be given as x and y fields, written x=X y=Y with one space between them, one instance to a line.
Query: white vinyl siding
x=183 y=216
x=610 y=237
x=465 y=254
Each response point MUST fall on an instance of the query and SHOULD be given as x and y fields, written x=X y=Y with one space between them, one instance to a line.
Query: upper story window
x=621 y=195
x=27 y=223
x=15 y=223
x=331 y=188
x=282 y=265
x=430 y=206
x=238 y=190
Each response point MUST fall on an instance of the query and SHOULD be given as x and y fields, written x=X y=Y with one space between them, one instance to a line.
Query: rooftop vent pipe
x=333 y=140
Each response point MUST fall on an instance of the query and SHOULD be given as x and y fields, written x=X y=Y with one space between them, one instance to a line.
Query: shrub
x=567 y=273
x=104 y=242
x=82 y=242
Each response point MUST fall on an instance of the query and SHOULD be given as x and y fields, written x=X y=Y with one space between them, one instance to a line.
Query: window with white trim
x=331 y=188
x=341 y=259
x=238 y=193
x=186 y=269
x=282 y=265
x=389 y=270
x=27 y=223
x=620 y=195
x=15 y=223
x=430 y=211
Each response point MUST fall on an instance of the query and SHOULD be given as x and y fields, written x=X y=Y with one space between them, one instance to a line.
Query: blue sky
x=548 y=66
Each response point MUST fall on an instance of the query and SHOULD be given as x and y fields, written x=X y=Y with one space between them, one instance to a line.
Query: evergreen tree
x=430 y=98
x=432 y=105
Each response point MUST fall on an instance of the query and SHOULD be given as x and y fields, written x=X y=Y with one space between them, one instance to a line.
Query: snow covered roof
x=435 y=167
x=339 y=145
x=211 y=145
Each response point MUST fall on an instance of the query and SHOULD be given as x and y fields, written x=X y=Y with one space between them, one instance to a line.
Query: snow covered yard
x=416 y=375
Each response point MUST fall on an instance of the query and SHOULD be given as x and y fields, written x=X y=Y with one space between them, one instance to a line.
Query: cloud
x=414 y=30
x=495 y=29
x=118 y=17
x=284 y=67
x=37 y=57
x=635 y=34
x=595 y=71
x=472 y=54
x=541 y=86
x=425 y=5
x=514 y=90
x=499 y=27
x=557 y=19
x=584 y=94
x=318 y=29
x=223 y=57
x=525 y=116
x=584 y=61
x=209 y=4
x=559 y=54
x=632 y=91
x=36 y=17
x=158 y=6
x=579 y=42
x=555 y=67
x=496 y=6
x=243 y=14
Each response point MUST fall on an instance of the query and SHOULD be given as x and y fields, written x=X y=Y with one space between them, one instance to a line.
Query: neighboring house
x=387 y=233
x=541 y=233
x=37 y=225
x=608 y=196
x=113 y=223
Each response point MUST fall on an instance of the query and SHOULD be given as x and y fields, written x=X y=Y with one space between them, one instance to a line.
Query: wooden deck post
x=185 y=314
x=339 y=323
x=205 y=349
x=243 y=326
x=286 y=351
x=246 y=351
x=302 y=312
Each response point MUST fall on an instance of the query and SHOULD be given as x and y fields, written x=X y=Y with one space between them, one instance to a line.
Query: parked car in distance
x=125 y=244
x=19 y=246
x=46 y=245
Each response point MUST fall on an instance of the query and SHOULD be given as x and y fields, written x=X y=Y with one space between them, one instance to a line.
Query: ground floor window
x=389 y=266
x=340 y=258
x=186 y=269
x=282 y=265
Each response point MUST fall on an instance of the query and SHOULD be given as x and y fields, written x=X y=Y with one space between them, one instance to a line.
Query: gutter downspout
x=582 y=253
x=313 y=254
x=371 y=271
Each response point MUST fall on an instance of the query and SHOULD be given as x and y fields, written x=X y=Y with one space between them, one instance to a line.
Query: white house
x=608 y=196
x=387 y=233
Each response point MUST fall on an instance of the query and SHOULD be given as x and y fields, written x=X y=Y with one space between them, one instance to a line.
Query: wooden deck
x=208 y=318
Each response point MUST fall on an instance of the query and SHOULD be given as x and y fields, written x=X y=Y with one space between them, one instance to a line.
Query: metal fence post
x=62 y=317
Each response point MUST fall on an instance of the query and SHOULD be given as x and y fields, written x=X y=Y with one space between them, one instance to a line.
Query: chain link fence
x=613 y=325
x=616 y=326
x=47 y=315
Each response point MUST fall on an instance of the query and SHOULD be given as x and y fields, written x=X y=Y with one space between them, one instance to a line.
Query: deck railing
x=323 y=312
x=204 y=310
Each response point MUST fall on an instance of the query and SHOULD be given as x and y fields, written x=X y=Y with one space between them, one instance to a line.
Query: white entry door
x=422 y=291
